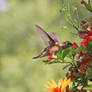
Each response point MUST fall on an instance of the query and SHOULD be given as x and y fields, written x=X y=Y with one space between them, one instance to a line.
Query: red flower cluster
x=85 y=60
x=81 y=56
x=85 y=32
x=87 y=38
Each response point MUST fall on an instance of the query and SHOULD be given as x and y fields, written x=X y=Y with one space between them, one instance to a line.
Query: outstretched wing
x=45 y=36
x=54 y=36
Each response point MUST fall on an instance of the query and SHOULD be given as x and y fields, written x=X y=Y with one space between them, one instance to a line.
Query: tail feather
x=36 y=57
x=42 y=54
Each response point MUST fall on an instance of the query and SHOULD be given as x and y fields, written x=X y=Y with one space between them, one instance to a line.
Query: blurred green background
x=19 y=42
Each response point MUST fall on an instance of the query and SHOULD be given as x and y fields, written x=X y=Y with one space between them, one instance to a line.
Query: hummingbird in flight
x=52 y=43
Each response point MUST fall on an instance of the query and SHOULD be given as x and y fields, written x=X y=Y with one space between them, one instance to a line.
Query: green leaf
x=65 y=53
x=72 y=52
x=89 y=83
x=59 y=53
x=66 y=66
x=81 y=48
x=88 y=87
x=88 y=7
x=87 y=19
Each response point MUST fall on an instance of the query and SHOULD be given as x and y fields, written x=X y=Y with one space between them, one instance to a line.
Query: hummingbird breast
x=54 y=49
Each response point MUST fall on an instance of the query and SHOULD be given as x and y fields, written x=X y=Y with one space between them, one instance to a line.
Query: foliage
x=78 y=58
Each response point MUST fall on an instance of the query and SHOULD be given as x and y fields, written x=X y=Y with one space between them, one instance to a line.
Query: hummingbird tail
x=36 y=57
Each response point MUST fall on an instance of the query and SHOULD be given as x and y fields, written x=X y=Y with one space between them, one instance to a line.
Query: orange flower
x=62 y=84
x=83 y=69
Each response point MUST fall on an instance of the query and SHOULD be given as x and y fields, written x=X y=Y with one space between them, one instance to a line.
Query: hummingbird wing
x=45 y=36
x=54 y=37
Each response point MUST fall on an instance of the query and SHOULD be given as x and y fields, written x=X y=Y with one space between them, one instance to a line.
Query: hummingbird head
x=66 y=44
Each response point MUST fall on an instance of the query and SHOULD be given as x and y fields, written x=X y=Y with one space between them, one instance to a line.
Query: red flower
x=52 y=56
x=79 y=55
x=87 y=38
x=75 y=46
x=90 y=33
x=85 y=60
x=84 y=42
x=82 y=33
x=83 y=22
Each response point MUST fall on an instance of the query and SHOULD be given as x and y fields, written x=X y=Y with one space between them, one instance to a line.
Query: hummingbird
x=52 y=43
